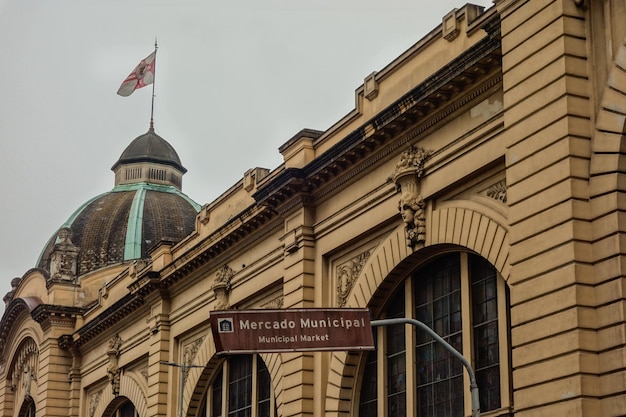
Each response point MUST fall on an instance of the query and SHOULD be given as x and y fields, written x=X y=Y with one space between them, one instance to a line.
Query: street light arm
x=472 y=377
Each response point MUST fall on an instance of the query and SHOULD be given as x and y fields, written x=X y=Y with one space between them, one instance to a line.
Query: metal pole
x=472 y=377
x=182 y=390
x=183 y=367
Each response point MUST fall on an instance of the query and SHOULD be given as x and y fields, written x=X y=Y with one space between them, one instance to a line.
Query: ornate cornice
x=427 y=104
x=105 y=320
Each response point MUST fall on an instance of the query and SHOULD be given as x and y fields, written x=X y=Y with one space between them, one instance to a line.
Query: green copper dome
x=145 y=207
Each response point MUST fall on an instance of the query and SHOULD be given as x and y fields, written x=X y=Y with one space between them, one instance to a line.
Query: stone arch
x=198 y=379
x=608 y=160
x=452 y=225
x=23 y=372
x=129 y=389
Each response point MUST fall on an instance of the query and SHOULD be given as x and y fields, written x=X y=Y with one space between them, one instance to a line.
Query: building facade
x=476 y=187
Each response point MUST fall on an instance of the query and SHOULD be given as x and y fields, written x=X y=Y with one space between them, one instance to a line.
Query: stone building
x=476 y=187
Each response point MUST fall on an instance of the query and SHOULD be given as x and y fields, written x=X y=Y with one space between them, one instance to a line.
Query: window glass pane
x=264 y=389
x=369 y=388
x=485 y=331
x=396 y=358
x=438 y=305
x=127 y=410
x=240 y=386
x=216 y=401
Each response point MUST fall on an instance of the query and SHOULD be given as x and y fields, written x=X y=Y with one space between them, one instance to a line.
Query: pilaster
x=298 y=289
x=548 y=109
x=161 y=395
x=54 y=362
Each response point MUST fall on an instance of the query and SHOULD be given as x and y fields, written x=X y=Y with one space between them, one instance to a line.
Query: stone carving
x=498 y=191
x=408 y=171
x=190 y=352
x=94 y=400
x=63 y=258
x=275 y=303
x=24 y=372
x=347 y=274
x=221 y=287
x=29 y=377
x=412 y=162
x=113 y=370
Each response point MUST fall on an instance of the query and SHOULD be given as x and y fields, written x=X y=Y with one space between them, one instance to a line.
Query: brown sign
x=290 y=330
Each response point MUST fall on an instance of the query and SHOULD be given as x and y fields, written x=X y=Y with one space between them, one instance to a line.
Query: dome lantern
x=151 y=159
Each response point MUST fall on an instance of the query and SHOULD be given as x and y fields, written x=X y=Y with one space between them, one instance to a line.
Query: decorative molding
x=347 y=274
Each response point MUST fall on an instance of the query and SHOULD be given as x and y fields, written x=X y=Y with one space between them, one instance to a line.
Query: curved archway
x=28 y=408
x=391 y=262
x=198 y=379
x=129 y=391
x=121 y=403
x=607 y=159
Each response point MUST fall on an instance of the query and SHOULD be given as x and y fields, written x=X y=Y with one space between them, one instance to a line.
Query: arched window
x=460 y=297
x=28 y=408
x=125 y=409
x=241 y=388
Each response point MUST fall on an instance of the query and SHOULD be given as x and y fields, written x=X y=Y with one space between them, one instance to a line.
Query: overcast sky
x=234 y=81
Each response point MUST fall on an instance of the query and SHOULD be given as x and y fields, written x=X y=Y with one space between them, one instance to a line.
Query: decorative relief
x=113 y=370
x=275 y=303
x=221 y=287
x=498 y=191
x=24 y=373
x=190 y=352
x=94 y=400
x=408 y=171
x=412 y=161
x=347 y=274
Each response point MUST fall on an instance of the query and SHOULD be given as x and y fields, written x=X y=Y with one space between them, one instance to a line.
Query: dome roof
x=150 y=147
x=124 y=224
x=146 y=206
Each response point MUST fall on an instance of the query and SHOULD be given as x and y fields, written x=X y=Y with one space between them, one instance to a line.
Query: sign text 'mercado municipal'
x=289 y=330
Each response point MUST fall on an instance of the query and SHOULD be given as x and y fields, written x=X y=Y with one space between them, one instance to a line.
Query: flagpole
x=153 y=84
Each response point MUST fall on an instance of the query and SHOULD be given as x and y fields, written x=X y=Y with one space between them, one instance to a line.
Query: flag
x=142 y=75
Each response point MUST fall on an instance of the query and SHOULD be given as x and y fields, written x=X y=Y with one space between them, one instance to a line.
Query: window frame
x=407 y=285
x=223 y=372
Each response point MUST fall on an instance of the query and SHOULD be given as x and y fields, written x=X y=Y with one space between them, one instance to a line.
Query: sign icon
x=225 y=325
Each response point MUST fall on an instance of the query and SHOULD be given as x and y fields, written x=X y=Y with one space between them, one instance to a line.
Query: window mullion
x=255 y=391
x=410 y=343
x=225 y=388
x=381 y=361
x=503 y=331
x=466 y=320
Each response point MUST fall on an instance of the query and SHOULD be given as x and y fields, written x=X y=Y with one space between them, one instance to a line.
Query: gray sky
x=234 y=81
